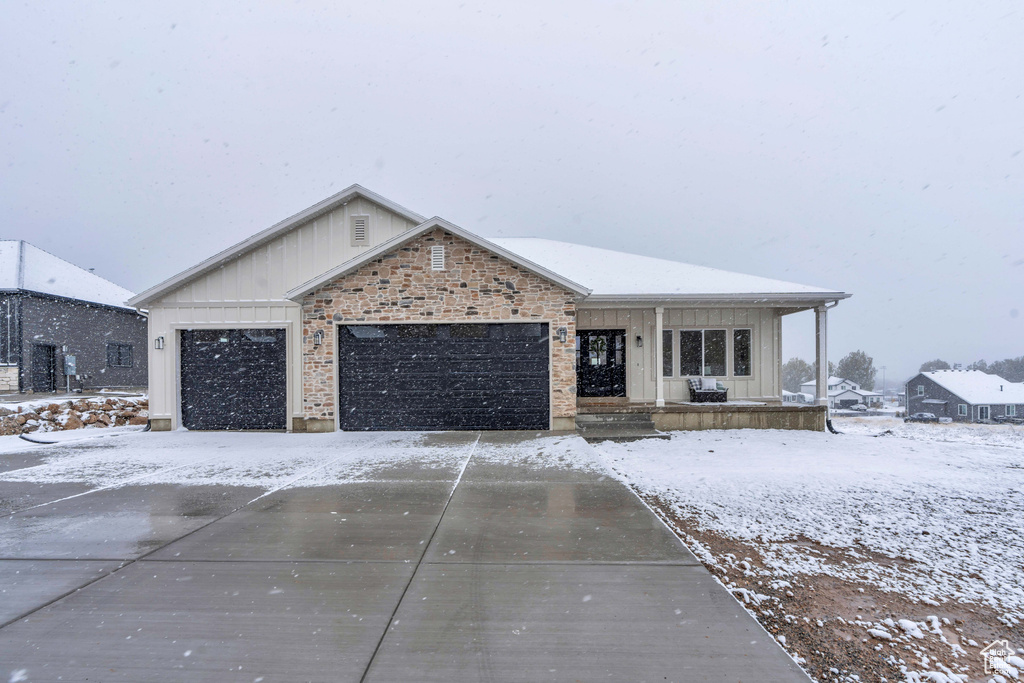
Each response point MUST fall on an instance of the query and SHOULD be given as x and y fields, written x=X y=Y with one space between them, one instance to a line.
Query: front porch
x=684 y=415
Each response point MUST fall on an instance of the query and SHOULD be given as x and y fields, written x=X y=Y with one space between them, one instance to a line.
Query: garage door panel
x=233 y=379
x=440 y=376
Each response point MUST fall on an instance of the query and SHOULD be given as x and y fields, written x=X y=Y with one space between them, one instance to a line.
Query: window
x=961 y=410
x=360 y=230
x=920 y=390
x=741 y=365
x=691 y=353
x=666 y=353
x=984 y=413
x=702 y=353
x=119 y=355
x=1011 y=411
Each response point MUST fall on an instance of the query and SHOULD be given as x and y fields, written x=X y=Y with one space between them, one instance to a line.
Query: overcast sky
x=874 y=148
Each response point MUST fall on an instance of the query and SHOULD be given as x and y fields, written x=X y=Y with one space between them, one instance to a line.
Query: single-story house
x=965 y=395
x=843 y=393
x=797 y=397
x=62 y=325
x=850 y=397
x=359 y=314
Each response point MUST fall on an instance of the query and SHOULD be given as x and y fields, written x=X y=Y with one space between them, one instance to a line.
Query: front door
x=44 y=367
x=601 y=362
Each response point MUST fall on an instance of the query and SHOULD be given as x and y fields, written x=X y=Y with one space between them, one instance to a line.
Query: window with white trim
x=667 y=354
x=961 y=410
x=702 y=353
x=742 y=353
x=984 y=412
x=1011 y=410
x=920 y=390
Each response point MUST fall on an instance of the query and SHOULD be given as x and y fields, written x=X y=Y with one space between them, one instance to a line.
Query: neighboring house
x=965 y=395
x=51 y=310
x=845 y=399
x=360 y=314
x=843 y=393
x=797 y=397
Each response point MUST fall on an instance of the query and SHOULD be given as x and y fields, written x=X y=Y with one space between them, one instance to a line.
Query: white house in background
x=800 y=397
x=844 y=392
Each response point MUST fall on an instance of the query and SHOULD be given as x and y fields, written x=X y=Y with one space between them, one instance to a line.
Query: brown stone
x=73 y=422
x=138 y=420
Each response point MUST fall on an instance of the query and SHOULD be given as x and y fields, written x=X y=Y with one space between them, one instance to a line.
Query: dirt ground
x=823 y=622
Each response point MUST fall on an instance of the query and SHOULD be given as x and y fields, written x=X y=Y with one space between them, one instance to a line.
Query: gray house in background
x=52 y=310
x=965 y=396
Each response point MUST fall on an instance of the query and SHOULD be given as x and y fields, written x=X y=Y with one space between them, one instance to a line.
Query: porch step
x=617 y=427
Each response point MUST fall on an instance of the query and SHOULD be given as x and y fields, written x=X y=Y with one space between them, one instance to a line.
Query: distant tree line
x=1009 y=368
x=855 y=366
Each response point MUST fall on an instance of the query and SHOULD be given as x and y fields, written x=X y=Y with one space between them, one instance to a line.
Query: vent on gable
x=360 y=230
x=437 y=257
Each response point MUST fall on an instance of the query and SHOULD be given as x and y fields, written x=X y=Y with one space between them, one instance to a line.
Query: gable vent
x=360 y=230
x=437 y=258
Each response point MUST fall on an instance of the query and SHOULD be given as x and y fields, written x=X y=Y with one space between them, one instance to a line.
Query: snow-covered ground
x=930 y=512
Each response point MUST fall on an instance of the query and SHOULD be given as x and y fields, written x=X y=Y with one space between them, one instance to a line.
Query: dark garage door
x=431 y=377
x=233 y=379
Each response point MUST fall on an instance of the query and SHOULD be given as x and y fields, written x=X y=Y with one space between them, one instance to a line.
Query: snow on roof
x=23 y=266
x=832 y=381
x=616 y=273
x=975 y=386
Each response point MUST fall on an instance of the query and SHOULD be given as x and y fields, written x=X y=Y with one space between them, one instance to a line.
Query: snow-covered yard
x=920 y=522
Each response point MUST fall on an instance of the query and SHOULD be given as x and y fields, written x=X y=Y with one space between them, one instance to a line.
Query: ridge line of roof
x=267 y=234
x=435 y=222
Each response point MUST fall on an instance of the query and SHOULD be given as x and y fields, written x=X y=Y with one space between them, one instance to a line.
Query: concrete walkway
x=491 y=570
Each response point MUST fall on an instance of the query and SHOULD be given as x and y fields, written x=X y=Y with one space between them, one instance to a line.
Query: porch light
x=318 y=338
x=639 y=342
x=158 y=343
x=563 y=334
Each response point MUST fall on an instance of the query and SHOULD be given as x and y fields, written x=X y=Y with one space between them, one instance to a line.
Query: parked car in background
x=859 y=407
x=922 y=417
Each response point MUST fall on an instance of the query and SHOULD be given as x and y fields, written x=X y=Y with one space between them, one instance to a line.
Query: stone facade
x=8 y=378
x=474 y=286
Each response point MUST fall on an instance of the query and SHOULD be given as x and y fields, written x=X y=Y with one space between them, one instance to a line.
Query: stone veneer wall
x=475 y=285
x=8 y=378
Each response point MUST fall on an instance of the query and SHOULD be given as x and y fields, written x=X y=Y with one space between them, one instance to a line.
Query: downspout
x=828 y=414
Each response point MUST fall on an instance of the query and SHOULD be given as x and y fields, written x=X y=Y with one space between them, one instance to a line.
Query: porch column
x=821 y=354
x=659 y=356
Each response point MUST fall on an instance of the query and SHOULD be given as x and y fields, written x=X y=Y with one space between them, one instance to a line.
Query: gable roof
x=351 y=265
x=975 y=386
x=832 y=381
x=28 y=268
x=260 y=238
x=616 y=275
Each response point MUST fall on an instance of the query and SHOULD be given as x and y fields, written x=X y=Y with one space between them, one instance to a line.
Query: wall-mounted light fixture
x=639 y=342
x=563 y=334
x=318 y=338
x=158 y=343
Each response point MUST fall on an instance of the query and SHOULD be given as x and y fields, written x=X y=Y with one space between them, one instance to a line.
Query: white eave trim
x=309 y=287
x=322 y=207
x=773 y=299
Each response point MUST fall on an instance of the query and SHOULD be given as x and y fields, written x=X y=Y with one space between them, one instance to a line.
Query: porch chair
x=707 y=390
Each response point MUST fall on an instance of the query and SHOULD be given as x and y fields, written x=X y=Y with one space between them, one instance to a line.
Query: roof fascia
x=302 y=290
x=800 y=300
x=270 y=233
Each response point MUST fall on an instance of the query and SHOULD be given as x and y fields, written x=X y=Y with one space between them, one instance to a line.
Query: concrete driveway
x=441 y=557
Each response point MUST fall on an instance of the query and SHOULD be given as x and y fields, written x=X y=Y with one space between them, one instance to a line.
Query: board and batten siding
x=268 y=271
x=249 y=291
x=765 y=384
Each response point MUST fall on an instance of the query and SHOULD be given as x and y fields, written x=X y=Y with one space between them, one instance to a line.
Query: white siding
x=249 y=290
x=268 y=271
x=642 y=366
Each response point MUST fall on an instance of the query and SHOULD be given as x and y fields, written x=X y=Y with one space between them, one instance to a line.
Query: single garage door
x=432 y=377
x=233 y=379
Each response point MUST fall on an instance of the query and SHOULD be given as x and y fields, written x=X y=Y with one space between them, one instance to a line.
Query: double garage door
x=390 y=377
x=435 y=377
